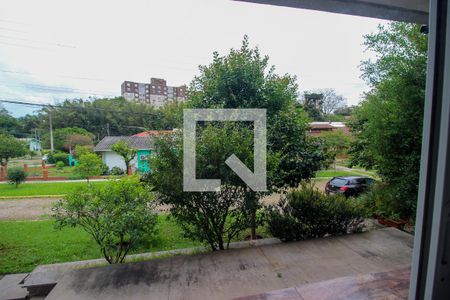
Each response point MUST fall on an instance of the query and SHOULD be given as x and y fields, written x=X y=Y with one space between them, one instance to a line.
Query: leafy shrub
x=104 y=169
x=90 y=165
x=117 y=216
x=16 y=176
x=54 y=158
x=307 y=213
x=32 y=153
x=379 y=202
x=81 y=150
x=117 y=171
x=59 y=165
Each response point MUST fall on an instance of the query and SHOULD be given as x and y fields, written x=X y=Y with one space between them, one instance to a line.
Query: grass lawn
x=48 y=188
x=65 y=172
x=332 y=173
x=26 y=244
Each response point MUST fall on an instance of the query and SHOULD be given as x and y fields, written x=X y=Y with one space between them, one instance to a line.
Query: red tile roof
x=153 y=133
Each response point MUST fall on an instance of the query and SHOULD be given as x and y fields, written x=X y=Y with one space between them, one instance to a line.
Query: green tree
x=89 y=164
x=118 y=216
x=112 y=116
x=214 y=218
x=10 y=147
x=80 y=150
x=68 y=137
x=336 y=142
x=128 y=153
x=244 y=79
x=388 y=123
x=312 y=104
x=16 y=176
x=300 y=156
x=9 y=125
x=345 y=111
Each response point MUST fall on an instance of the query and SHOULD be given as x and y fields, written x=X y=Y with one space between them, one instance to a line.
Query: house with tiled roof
x=143 y=144
x=154 y=133
x=316 y=128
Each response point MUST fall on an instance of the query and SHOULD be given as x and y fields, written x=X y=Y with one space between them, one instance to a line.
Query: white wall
x=112 y=159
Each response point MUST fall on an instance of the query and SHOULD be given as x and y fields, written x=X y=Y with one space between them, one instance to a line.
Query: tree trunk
x=253 y=224
x=221 y=246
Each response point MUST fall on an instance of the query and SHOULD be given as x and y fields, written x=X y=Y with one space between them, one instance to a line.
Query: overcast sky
x=53 y=50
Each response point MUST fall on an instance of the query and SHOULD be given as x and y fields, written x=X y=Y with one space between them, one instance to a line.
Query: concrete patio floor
x=243 y=272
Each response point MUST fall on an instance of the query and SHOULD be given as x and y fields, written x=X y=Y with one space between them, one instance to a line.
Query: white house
x=143 y=145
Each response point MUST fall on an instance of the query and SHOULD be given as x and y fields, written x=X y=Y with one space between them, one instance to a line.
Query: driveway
x=26 y=208
x=40 y=208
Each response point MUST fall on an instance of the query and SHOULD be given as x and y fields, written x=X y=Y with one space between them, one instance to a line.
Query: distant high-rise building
x=157 y=92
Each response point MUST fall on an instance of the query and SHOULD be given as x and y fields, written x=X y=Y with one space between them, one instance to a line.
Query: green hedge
x=307 y=213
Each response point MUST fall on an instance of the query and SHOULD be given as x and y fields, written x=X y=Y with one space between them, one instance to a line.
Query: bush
x=379 y=202
x=117 y=171
x=118 y=216
x=214 y=218
x=307 y=213
x=54 y=158
x=81 y=150
x=90 y=165
x=16 y=176
x=59 y=165
x=104 y=169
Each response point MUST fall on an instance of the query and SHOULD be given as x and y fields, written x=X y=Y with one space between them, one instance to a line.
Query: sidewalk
x=239 y=273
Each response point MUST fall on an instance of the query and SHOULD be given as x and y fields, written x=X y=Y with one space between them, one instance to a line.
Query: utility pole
x=107 y=128
x=51 y=131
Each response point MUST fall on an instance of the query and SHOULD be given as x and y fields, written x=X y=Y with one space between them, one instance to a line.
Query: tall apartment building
x=157 y=92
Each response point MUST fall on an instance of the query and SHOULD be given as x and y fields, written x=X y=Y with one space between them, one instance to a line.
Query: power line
x=59 y=89
x=24 y=46
x=57 y=75
x=35 y=41
x=73 y=107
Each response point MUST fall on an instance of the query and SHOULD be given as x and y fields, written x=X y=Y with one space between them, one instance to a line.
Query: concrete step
x=43 y=279
x=251 y=271
x=11 y=287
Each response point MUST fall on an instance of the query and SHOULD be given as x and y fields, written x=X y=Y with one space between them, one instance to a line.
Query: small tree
x=10 y=147
x=214 y=218
x=127 y=153
x=89 y=164
x=74 y=140
x=59 y=165
x=80 y=150
x=16 y=176
x=117 y=216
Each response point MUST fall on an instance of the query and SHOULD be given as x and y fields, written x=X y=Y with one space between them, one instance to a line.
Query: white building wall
x=112 y=159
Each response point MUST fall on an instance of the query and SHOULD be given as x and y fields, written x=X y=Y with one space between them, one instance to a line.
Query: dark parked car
x=350 y=186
